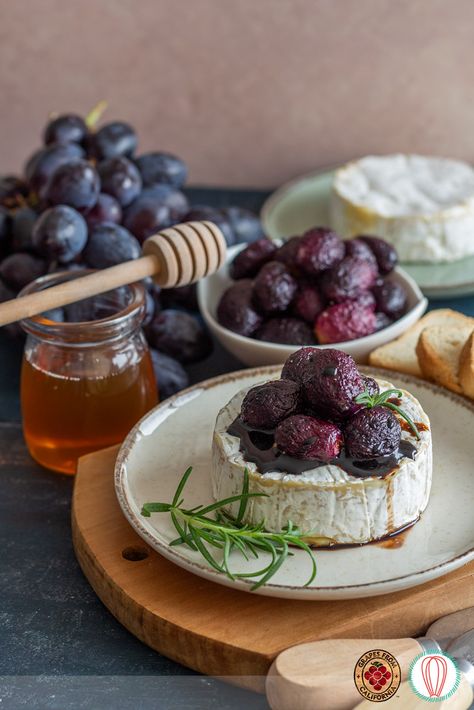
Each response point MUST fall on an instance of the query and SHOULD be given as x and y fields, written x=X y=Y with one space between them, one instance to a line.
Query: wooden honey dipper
x=176 y=256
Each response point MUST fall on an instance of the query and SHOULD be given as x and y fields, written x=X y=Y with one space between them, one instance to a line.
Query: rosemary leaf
x=201 y=533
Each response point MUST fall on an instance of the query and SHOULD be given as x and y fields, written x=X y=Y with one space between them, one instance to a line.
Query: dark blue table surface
x=59 y=646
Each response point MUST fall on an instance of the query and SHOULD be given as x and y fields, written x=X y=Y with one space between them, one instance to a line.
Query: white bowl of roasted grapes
x=317 y=289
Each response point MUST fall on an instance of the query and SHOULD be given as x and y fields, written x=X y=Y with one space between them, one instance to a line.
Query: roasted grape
x=319 y=249
x=385 y=253
x=248 y=262
x=286 y=331
x=309 y=438
x=274 y=288
x=308 y=304
x=299 y=367
x=345 y=321
x=75 y=184
x=236 y=310
x=391 y=299
x=264 y=406
x=120 y=178
x=113 y=140
x=333 y=384
x=348 y=279
x=287 y=253
x=162 y=168
x=360 y=250
x=382 y=321
x=68 y=128
x=155 y=208
x=60 y=233
x=371 y=433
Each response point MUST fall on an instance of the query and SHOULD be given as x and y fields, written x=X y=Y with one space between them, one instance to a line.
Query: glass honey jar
x=85 y=381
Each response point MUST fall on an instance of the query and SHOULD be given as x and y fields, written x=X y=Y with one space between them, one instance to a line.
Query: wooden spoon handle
x=321 y=674
x=174 y=257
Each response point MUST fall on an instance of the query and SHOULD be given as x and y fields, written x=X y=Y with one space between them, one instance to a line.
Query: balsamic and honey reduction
x=258 y=447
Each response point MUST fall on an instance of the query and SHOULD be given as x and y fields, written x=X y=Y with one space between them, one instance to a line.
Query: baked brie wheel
x=424 y=206
x=328 y=504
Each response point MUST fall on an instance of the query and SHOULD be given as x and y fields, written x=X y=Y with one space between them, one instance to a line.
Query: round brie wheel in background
x=326 y=503
x=424 y=206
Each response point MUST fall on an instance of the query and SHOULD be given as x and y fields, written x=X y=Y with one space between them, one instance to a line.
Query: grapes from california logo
x=377 y=675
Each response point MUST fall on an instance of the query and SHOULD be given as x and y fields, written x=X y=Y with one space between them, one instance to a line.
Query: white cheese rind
x=423 y=206
x=326 y=503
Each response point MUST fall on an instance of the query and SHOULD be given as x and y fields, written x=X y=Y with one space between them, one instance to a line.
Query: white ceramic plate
x=177 y=434
x=257 y=352
x=304 y=203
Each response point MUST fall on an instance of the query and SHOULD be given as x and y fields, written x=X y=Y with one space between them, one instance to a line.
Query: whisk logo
x=434 y=676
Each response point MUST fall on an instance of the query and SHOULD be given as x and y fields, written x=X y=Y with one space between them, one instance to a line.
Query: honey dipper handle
x=174 y=257
x=77 y=289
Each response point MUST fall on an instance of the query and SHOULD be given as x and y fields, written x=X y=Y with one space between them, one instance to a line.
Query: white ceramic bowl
x=256 y=352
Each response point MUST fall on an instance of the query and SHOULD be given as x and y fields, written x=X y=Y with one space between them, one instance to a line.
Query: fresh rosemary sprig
x=381 y=400
x=202 y=532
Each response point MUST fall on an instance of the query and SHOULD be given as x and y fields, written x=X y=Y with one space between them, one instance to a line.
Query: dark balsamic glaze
x=258 y=446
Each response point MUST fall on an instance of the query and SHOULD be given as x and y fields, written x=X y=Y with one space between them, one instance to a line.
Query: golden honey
x=84 y=385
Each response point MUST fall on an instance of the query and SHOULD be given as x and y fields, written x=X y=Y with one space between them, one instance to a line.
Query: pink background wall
x=249 y=92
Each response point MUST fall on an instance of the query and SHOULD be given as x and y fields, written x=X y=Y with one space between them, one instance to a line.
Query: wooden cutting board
x=214 y=629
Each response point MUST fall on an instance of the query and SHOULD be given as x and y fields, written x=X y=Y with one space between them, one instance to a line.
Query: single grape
x=68 y=128
x=199 y=213
x=179 y=335
x=75 y=184
x=17 y=270
x=162 y=168
x=155 y=208
x=42 y=164
x=23 y=221
x=245 y=224
x=171 y=376
x=60 y=233
x=120 y=178
x=110 y=244
x=112 y=140
x=106 y=209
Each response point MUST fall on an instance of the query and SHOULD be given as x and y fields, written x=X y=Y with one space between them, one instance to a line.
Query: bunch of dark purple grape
x=315 y=288
x=86 y=200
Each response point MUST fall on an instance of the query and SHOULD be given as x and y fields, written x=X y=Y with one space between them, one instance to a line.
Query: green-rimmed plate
x=304 y=203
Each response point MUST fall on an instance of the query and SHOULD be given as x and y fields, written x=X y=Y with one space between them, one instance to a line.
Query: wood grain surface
x=214 y=629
